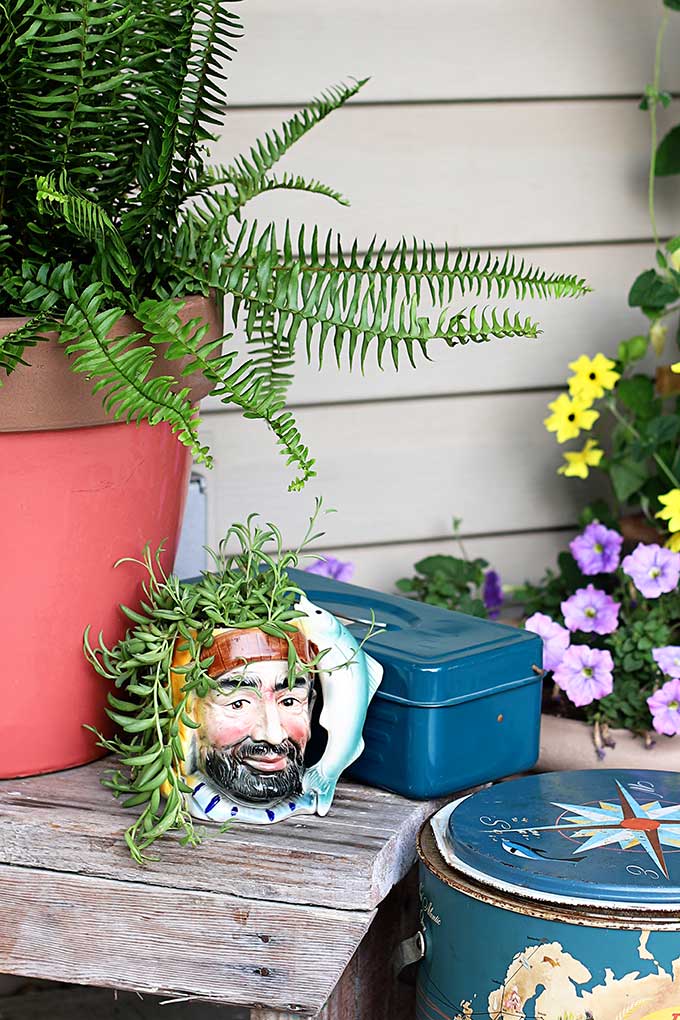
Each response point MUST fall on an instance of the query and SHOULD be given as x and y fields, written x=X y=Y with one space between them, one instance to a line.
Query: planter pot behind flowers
x=80 y=491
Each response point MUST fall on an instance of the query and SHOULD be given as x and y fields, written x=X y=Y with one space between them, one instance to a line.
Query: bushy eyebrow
x=300 y=681
x=233 y=683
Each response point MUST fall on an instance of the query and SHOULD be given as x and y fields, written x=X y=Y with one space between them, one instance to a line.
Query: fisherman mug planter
x=219 y=678
x=244 y=741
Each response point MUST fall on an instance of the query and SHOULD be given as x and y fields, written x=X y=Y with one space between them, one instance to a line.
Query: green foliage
x=450 y=582
x=248 y=588
x=108 y=207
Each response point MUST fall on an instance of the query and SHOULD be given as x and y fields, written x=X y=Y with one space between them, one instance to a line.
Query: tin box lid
x=430 y=656
x=598 y=835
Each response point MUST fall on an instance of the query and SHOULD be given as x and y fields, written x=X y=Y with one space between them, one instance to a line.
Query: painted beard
x=228 y=771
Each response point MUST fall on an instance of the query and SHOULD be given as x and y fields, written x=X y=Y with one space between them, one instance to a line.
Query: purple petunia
x=329 y=566
x=664 y=705
x=585 y=674
x=555 y=639
x=597 y=549
x=492 y=594
x=592 y=611
x=668 y=660
x=654 y=570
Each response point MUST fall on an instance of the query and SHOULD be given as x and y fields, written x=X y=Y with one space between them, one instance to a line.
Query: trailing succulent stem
x=248 y=588
x=108 y=207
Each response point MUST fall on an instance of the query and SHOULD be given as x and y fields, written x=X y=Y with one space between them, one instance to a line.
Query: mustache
x=249 y=748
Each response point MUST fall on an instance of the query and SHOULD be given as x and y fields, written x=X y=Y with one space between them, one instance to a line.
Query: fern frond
x=121 y=368
x=86 y=219
x=245 y=171
x=272 y=354
x=445 y=273
x=13 y=345
x=353 y=312
x=245 y=189
x=241 y=386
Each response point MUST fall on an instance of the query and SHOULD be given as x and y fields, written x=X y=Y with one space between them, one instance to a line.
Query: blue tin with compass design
x=554 y=896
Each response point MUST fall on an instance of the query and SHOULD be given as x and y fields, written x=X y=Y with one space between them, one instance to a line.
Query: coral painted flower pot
x=79 y=493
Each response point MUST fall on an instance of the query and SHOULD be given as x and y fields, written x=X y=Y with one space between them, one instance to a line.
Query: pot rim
x=47 y=395
x=568 y=910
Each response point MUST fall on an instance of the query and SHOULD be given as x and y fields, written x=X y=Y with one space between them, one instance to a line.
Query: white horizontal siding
x=486 y=124
x=497 y=174
x=399 y=470
x=517 y=557
x=447 y=49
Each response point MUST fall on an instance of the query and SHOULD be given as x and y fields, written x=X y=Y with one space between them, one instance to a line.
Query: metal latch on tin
x=408 y=952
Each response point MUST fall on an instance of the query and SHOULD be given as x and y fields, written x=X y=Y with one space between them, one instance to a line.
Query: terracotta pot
x=568 y=744
x=79 y=493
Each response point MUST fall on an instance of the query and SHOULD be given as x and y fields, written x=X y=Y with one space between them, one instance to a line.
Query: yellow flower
x=671 y=509
x=673 y=543
x=569 y=417
x=580 y=461
x=592 y=376
x=676 y=367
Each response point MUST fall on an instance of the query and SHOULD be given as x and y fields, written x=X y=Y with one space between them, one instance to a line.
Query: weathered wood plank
x=435 y=50
x=169 y=942
x=472 y=175
x=398 y=471
x=349 y=860
x=368 y=987
x=570 y=328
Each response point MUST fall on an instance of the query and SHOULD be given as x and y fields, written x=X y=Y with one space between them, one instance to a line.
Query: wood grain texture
x=471 y=175
x=215 y=946
x=399 y=471
x=368 y=988
x=440 y=50
x=594 y=323
x=350 y=860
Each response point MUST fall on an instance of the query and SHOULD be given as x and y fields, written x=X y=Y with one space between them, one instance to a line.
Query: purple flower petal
x=555 y=639
x=664 y=705
x=597 y=549
x=585 y=674
x=668 y=660
x=492 y=593
x=329 y=566
x=592 y=611
x=654 y=570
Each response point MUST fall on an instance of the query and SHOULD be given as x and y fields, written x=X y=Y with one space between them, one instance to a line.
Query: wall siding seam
x=325 y=405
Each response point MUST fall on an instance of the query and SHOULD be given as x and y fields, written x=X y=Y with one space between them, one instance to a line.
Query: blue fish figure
x=534 y=853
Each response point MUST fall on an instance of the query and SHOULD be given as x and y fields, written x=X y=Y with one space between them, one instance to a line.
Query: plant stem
x=653 y=100
x=663 y=467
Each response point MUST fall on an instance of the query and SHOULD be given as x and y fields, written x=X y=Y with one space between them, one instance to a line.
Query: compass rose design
x=627 y=824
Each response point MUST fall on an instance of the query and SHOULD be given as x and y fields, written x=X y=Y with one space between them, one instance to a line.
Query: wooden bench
x=295 y=919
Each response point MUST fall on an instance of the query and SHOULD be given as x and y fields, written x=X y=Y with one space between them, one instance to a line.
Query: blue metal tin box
x=460 y=699
x=553 y=897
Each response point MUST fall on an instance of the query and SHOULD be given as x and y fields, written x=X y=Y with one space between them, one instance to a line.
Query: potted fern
x=118 y=243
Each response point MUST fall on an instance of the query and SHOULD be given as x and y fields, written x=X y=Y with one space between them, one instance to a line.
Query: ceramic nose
x=269 y=726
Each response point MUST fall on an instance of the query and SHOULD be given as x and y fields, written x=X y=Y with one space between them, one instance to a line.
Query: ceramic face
x=244 y=755
x=254 y=730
